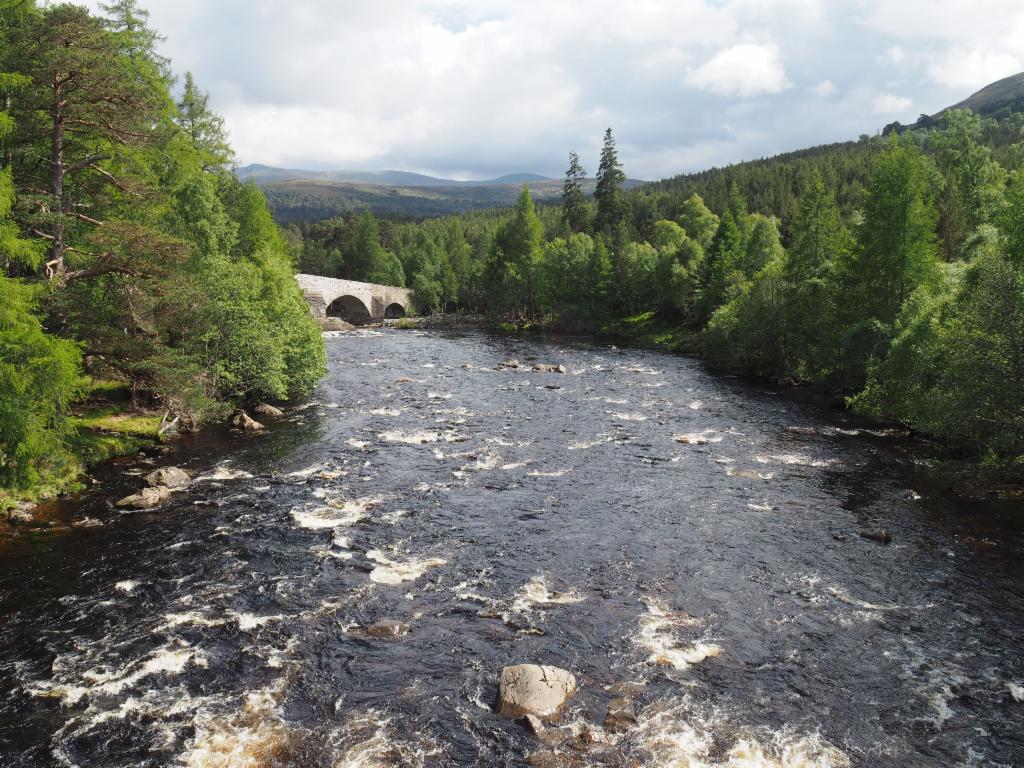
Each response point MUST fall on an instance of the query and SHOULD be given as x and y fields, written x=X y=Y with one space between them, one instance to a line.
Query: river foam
x=394 y=572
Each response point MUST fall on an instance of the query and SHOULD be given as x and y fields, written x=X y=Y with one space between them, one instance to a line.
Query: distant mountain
x=312 y=199
x=1007 y=94
x=266 y=174
x=997 y=99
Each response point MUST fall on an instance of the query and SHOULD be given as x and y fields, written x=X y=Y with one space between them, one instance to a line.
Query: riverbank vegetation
x=129 y=252
x=888 y=271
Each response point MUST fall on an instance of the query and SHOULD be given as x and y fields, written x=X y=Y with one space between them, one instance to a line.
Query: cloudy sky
x=479 y=88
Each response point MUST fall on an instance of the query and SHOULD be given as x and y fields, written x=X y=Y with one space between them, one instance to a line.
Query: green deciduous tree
x=971 y=194
x=820 y=244
x=698 y=221
x=512 y=274
x=897 y=252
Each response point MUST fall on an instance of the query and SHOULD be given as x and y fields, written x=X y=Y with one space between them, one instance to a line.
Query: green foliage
x=576 y=272
x=511 y=272
x=720 y=276
x=971 y=194
x=575 y=210
x=897 y=252
x=610 y=177
x=40 y=376
x=747 y=333
x=204 y=128
x=162 y=270
x=956 y=363
x=698 y=222
x=821 y=242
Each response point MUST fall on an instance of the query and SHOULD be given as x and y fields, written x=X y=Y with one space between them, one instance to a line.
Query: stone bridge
x=352 y=301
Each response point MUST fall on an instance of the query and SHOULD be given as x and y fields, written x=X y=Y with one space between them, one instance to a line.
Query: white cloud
x=484 y=87
x=966 y=44
x=972 y=69
x=823 y=89
x=890 y=104
x=894 y=55
x=747 y=69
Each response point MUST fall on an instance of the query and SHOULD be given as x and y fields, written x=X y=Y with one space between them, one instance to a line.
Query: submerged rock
x=266 y=409
x=620 y=716
x=86 y=522
x=242 y=420
x=147 y=498
x=533 y=724
x=387 y=628
x=172 y=477
x=627 y=690
x=882 y=536
x=532 y=689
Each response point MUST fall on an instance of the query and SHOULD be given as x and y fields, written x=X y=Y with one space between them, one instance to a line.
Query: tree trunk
x=55 y=265
x=9 y=153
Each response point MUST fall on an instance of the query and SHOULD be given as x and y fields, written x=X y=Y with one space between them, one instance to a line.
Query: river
x=688 y=539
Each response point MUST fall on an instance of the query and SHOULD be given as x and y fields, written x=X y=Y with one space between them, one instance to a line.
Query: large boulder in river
x=20 y=516
x=172 y=477
x=147 y=498
x=387 y=628
x=268 y=410
x=532 y=689
x=242 y=420
x=882 y=536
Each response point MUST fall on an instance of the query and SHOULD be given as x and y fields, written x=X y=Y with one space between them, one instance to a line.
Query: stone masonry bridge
x=352 y=301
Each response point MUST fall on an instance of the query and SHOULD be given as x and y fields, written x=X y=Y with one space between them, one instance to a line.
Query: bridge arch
x=350 y=308
x=354 y=301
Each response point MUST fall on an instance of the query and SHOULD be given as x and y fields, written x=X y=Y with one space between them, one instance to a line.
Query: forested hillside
x=131 y=258
x=889 y=271
x=301 y=200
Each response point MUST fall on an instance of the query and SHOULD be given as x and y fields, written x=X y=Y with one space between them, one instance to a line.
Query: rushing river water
x=689 y=540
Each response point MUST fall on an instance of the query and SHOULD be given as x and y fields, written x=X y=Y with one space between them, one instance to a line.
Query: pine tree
x=898 y=248
x=725 y=253
x=609 y=188
x=83 y=106
x=820 y=243
x=574 y=202
x=897 y=252
x=971 y=194
x=204 y=128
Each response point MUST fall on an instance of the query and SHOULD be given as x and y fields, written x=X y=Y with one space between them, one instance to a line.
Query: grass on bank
x=648 y=330
x=105 y=425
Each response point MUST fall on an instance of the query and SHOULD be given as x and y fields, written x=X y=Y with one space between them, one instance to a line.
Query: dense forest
x=131 y=258
x=888 y=271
